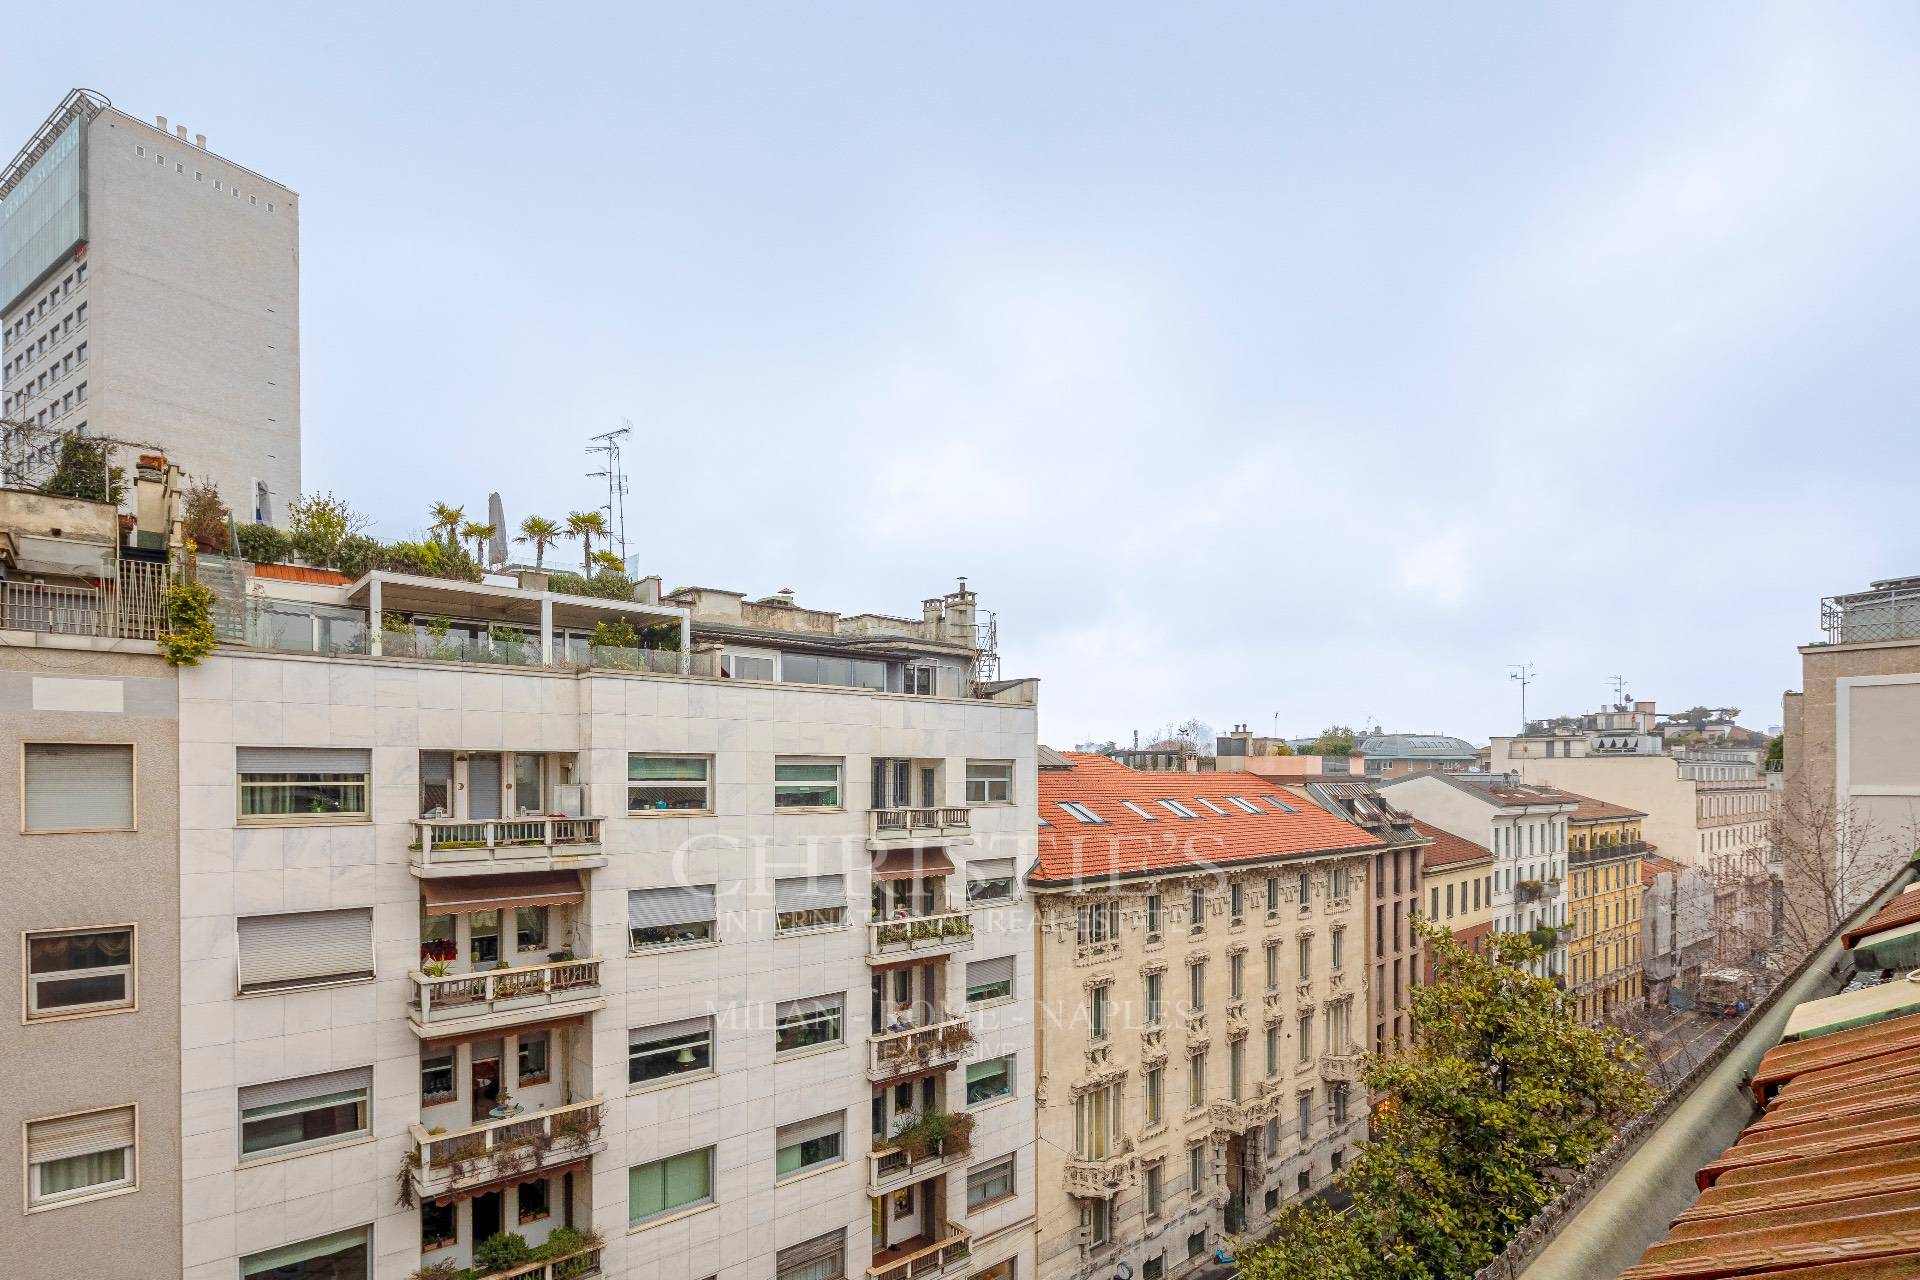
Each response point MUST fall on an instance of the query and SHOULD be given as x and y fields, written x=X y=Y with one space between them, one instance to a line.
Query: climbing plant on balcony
x=188 y=604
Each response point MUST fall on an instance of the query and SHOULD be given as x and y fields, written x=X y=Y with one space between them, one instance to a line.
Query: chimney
x=200 y=141
x=160 y=123
x=180 y=132
x=647 y=589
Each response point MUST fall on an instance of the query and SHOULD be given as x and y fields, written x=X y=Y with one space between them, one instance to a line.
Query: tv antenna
x=608 y=444
x=1619 y=692
x=1522 y=672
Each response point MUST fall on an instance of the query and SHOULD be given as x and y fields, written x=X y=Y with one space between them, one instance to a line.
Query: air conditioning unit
x=570 y=799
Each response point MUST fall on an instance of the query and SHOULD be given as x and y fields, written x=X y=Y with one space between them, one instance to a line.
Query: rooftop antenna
x=608 y=443
x=1619 y=692
x=1522 y=672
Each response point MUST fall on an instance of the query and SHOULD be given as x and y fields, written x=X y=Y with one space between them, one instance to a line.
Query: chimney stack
x=160 y=123
x=180 y=132
x=200 y=141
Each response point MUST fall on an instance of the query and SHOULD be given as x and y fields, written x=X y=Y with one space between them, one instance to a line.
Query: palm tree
x=479 y=533
x=542 y=533
x=586 y=526
x=609 y=562
x=446 y=519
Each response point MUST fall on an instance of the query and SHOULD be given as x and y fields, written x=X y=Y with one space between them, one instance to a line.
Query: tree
x=586 y=526
x=83 y=472
x=1279 y=748
x=609 y=562
x=1334 y=740
x=480 y=533
x=1502 y=1093
x=1776 y=753
x=1832 y=856
x=447 y=521
x=205 y=520
x=317 y=523
x=542 y=533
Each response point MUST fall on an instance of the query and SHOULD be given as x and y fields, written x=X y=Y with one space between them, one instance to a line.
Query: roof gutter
x=1631 y=1198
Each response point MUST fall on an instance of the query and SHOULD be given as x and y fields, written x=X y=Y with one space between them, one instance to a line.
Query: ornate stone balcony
x=1341 y=1068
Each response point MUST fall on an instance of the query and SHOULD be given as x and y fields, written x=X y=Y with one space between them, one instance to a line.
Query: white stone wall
x=398 y=709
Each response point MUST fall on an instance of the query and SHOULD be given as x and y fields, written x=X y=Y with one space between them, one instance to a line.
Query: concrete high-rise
x=149 y=294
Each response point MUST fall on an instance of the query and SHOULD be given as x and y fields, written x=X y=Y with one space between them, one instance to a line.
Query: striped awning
x=460 y=894
x=517 y=1180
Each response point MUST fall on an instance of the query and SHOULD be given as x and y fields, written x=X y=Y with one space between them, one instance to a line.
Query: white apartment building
x=149 y=288
x=710 y=961
x=1525 y=826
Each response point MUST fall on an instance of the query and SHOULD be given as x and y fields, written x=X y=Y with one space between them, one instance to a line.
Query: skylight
x=1281 y=805
x=1211 y=805
x=1177 y=809
x=1137 y=811
x=1080 y=812
x=1245 y=803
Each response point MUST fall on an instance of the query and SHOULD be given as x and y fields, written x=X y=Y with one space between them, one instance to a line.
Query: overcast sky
x=1248 y=361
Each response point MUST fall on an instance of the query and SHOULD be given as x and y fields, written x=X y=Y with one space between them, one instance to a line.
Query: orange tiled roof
x=1652 y=865
x=1904 y=909
x=301 y=573
x=1592 y=810
x=1125 y=844
x=1447 y=848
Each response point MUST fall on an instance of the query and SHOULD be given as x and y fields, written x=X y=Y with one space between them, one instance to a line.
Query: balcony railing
x=496 y=1150
x=1097 y=1179
x=889 y=1168
x=129 y=609
x=1236 y=1117
x=943 y=1257
x=918 y=824
x=1341 y=1068
x=570 y=1266
x=941 y=934
x=458 y=997
x=463 y=842
x=940 y=1043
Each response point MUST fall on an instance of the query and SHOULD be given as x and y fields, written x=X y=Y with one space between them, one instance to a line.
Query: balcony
x=1237 y=1117
x=496 y=1150
x=904 y=828
x=941 y=1043
x=1341 y=1068
x=568 y=1266
x=919 y=936
x=462 y=1002
x=461 y=847
x=911 y=1156
x=932 y=1260
x=1097 y=1179
x=1529 y=890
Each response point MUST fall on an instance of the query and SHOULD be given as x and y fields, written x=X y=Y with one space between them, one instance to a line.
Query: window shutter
x=312 y=946
x=812 y=1004
x=667 y=1031
x=277 y=1092
x=806 y=1251
x=305 y=760
x=671 y=905
x=807 y=1130
x=81 y=1135
x=79 y=786
x=990 y=869
x=276 y=1260
x=436 y=766
x=809 y=893
x=982 y=972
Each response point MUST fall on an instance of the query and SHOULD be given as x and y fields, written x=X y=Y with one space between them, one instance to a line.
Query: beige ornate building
x=1200 y=1007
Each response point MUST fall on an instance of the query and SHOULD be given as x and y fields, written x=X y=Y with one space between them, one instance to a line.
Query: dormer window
x=1244 y=803
x=1177 y=809
x=1281 y=805
x=1137 y=811
x=1081 y=813
x=1211 y=805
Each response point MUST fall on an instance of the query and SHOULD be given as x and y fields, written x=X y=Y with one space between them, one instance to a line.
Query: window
x=436 y=1076
x=79 y=971
x=304 y=1113
x=1097 y=922
x=810 y=1144
x=530 y=928
x=1097 y=1013
x=1098 y=1221
x=1337 y=887
x=1153 y=916
x=821 y=1258
x=669 y=784
x=305 y=949
x=1236 y=1067
x=809 y=902
x=989 y=880
x=806 y=784
x=989 y=782
x=439 y=1225
x=72 y=786
x=674 y=915
x=1241 y=802
x=806 y=1024
x=1306 y=1037
x=1197 y=1081
x=533 y=1058
x=1236 y=901
x=1196 y=910
x=989 y=1080
x=1281 y=805
x=1096 y=1123
x=303 y=784
x=1196 y=1174
x=76 y=1156
x=338 y=1256
x=668 y=1186
x=1304 y=1104
x=990 y=1183
x=535 y=1200
x=1153 y=999
x=1156 y=1095
x=669 y=1049
x=1197 y=984
x=1202 y=800
x=1236 y=975
x=1273 y=1049
x=1273 y=897
x=1306 y=891
x=990 y=980
x=1156 y=1174
x=1080 y=813
x=1306 y=958
x=1177 y=809
x=1273 y=966
x=1339 y=1095
x=1137 y=811
x=1339 y=947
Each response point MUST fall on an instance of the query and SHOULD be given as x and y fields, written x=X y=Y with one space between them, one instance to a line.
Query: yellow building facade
x=1605 y=843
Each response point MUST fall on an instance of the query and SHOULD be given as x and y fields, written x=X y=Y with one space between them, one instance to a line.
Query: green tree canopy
x=82 y=472
x=1503 y=1090
x=1776 y=753
x=1334 y=740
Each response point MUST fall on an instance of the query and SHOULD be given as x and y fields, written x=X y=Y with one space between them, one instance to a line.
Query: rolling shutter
x=812 y=1004
x=305 y=760
x=807 y=1130
x=820 y=1247
x=79 y=786
x=990 y=869
x=290 y=1255
x=279 y=1092
x=79 y=1135
x=305 y=946
x=809 y=893
x=981 y=973
x=667 y=1031
x=671 y=905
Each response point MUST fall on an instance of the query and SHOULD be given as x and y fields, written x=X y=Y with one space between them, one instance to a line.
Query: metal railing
x=451 y=840
x=933 y=1260
x=129 y=609
x=1888 y=613
x=569 y=1266
x=466 y=995
x=890 y=1167
x=947 y=932
x=495 y=1150
x=885 y=823
x=942 y=1041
